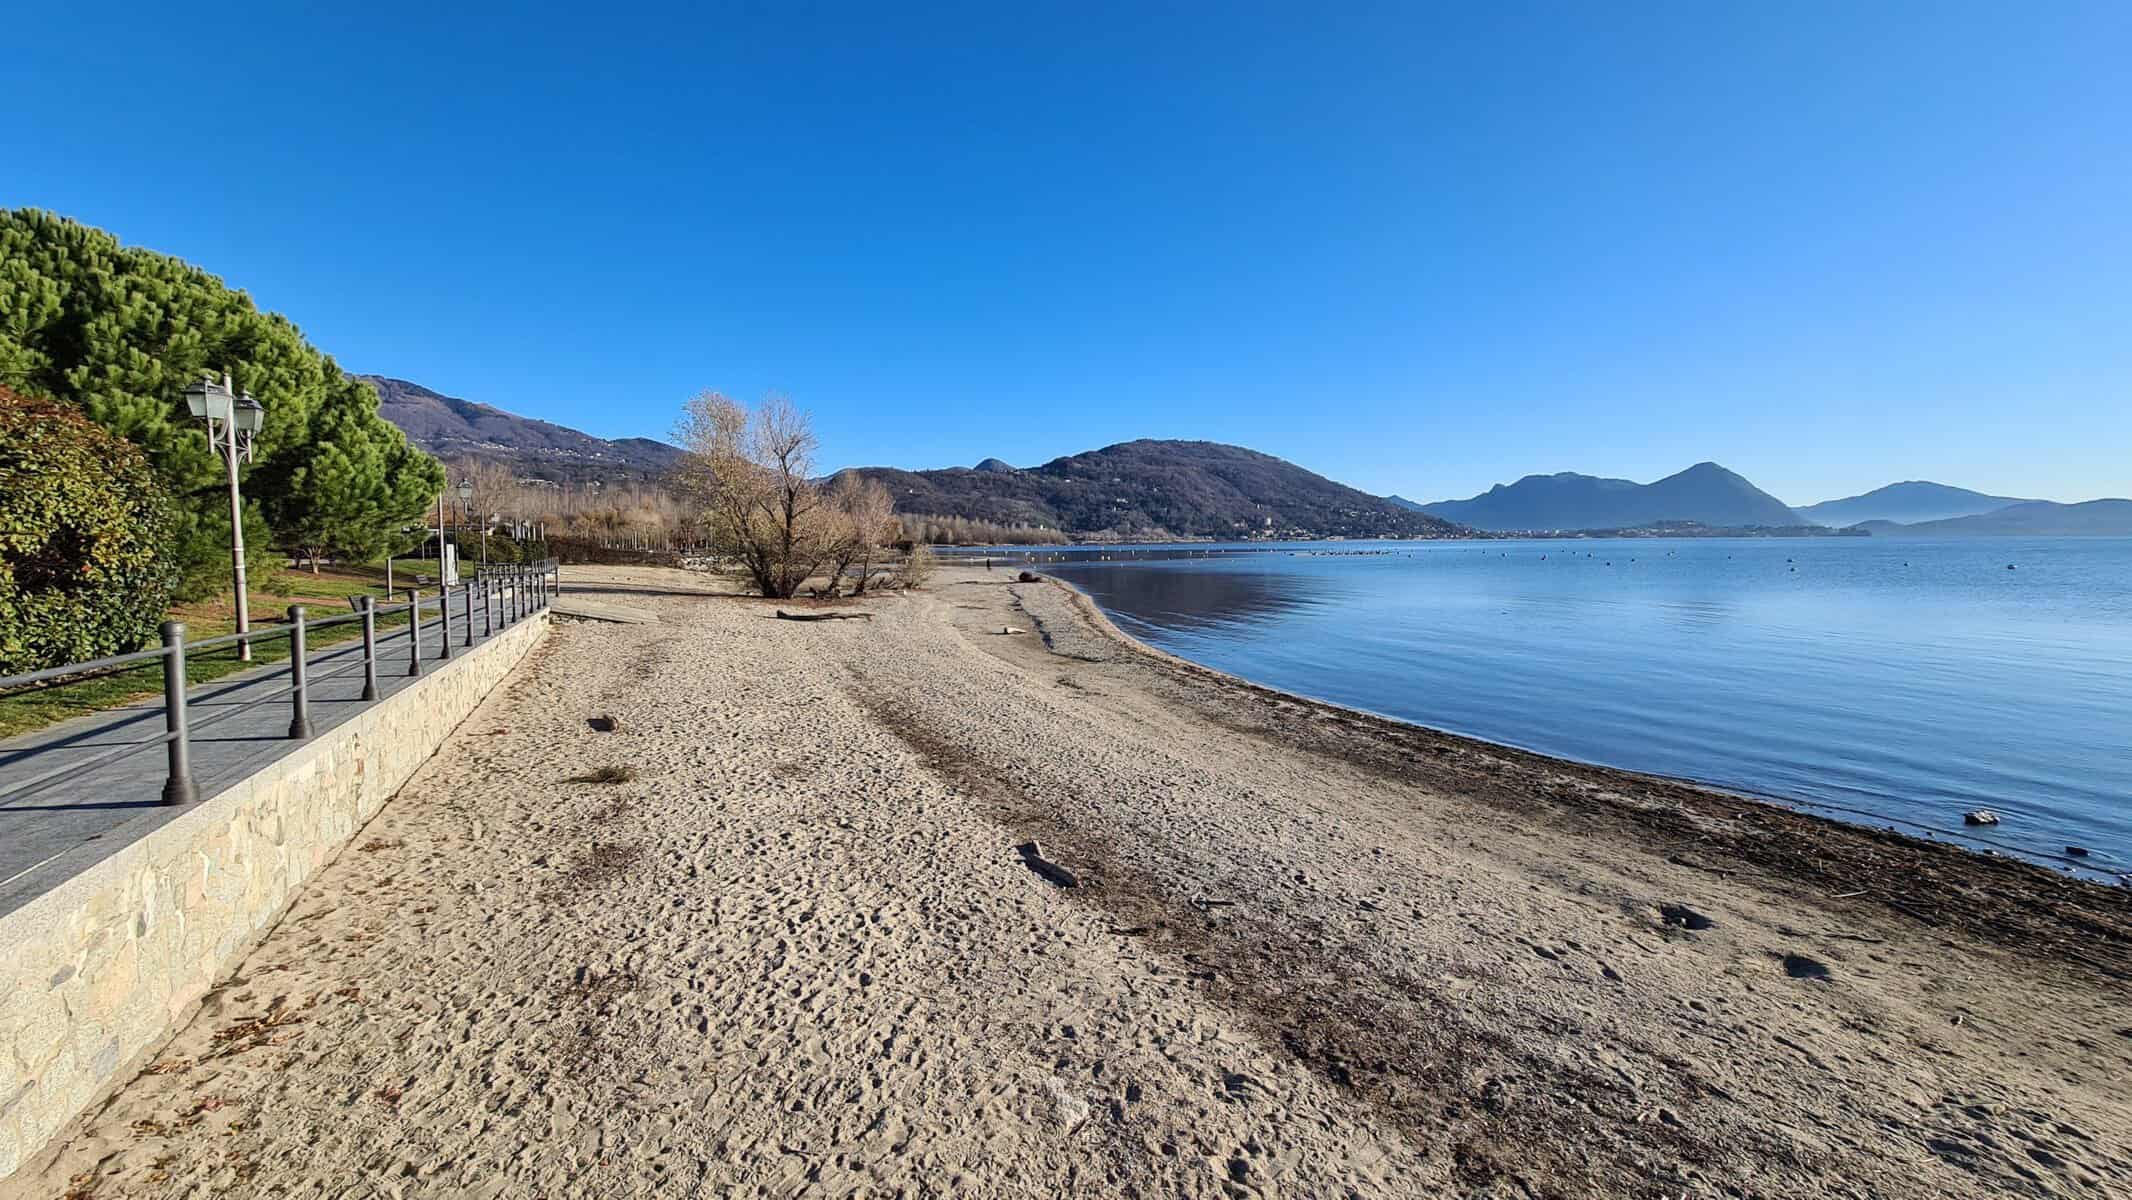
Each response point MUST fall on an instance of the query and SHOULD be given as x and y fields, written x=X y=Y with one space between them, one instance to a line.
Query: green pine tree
x=356 y=489
x=119 y=332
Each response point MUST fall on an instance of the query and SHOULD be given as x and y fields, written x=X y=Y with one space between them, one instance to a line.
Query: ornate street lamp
x=233 y=423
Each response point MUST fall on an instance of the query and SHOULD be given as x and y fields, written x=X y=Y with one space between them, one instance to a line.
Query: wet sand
x=1311 y=953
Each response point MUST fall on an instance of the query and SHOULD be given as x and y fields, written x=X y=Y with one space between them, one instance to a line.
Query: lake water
x=1892 y=682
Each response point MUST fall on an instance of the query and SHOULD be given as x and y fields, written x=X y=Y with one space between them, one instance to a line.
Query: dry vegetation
x=750 y=482
x=624 y=514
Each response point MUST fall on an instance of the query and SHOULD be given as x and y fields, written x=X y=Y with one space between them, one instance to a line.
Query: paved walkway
x=239 y=724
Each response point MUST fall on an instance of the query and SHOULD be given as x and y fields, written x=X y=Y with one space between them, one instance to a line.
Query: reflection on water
x=1892 y=682
x=1188 y=600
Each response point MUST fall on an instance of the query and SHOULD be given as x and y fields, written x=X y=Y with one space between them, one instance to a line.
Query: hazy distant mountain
x=1916 y=500
x=1409 y=505
x=1189 y=489
x=1705 y=493
x=2030 y=518
x=449 y=427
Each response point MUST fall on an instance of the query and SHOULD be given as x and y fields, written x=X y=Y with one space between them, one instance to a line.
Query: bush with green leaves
x=86 y=557
x=119 y=332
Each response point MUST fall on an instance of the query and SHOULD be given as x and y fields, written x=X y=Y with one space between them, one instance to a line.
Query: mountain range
x=1709 y=495
x=2029 y=518
x=1705 y=493
x=451 y=428
x=1207 y=489
x=1911 y=501
x=1151 y=489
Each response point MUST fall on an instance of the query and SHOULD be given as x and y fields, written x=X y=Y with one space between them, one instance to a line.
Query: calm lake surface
x=1892 y=682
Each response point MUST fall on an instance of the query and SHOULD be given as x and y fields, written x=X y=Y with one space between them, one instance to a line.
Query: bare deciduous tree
x=866 y=518
x=917 y=566
x=750 y=474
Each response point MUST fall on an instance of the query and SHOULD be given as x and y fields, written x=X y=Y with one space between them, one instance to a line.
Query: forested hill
x=1148 y=489
x=451 y=428
x=1705 y=493
x=1910 y=502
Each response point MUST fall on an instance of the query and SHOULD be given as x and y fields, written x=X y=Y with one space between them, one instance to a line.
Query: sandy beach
x=1310 y=953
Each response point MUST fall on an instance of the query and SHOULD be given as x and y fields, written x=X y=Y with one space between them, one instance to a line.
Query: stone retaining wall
x=97 y=973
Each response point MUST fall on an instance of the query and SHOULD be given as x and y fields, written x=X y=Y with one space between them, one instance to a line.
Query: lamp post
x=233 y=422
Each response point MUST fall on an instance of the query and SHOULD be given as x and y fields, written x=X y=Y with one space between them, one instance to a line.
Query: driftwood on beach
x=782 y=615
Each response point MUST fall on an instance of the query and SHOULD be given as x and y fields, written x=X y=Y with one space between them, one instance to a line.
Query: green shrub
x=86 y=560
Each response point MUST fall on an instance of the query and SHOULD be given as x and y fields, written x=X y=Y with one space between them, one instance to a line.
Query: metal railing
x=505 y=595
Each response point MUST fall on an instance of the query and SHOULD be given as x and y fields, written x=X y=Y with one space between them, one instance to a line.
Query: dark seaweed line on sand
x=1383 y=1039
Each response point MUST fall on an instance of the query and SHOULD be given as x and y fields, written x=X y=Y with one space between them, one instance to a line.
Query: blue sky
x=1417 y=248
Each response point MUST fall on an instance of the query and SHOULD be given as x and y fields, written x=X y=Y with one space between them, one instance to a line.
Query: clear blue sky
x=1419 y=249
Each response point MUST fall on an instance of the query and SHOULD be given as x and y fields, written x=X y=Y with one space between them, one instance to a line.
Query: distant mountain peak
x=996 y=466
x=1706 y=493
x=1912 y=500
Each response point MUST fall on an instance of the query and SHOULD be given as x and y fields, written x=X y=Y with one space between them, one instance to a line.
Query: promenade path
x=240 y=723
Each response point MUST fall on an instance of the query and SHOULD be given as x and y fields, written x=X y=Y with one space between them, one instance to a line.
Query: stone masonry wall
x=97 y=973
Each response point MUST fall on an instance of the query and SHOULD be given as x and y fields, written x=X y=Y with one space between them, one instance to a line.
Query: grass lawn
x=325 y=595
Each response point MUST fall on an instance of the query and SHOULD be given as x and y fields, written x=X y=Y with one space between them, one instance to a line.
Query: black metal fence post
x=414 y=631
x=299 y=692
x=444 y=620
x=370 y=648
x=488 y=606
x=178 y=788
x=466 y=599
